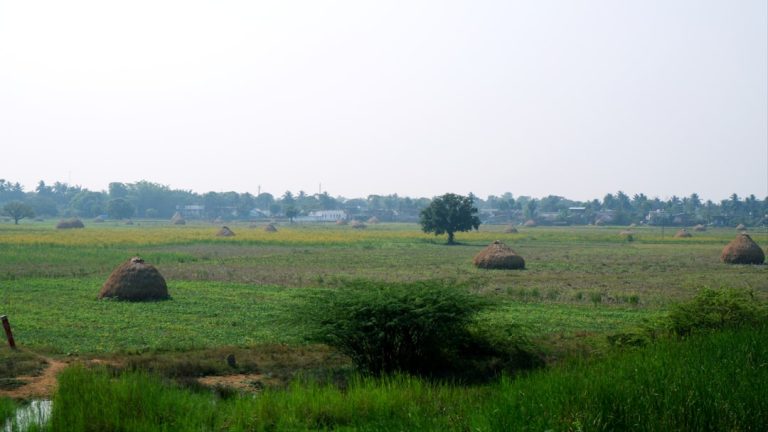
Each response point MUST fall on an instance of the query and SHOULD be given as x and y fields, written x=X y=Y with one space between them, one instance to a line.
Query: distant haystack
x=741 y=227
x=358 y=225
x=341 y=222
x=225 y=232
x=498 y=256
x=510 y=229
x=70 y=223
x=530 y=223
x=683 y=233
x=742 y=250
x=135 y=280
x=373 y=220
x=270 y=228
x=178 y=219
x=699 y=228
x=99 y=219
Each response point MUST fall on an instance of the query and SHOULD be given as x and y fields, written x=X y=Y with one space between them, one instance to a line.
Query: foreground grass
x=714 y=381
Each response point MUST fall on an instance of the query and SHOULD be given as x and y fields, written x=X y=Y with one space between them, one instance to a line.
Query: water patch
x=37 y=413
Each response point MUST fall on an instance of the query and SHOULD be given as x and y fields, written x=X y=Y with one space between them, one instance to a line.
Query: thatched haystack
x=699 y=228
x=270 y=228
x=741 y=227
x=510 y=230
x=498 y=256
x=225 y=232
x=341 y=222
x=356 y=224
x=178 y=219
x=530 y=223
x=373 y=220
x=742 y=250
x=135 y=280
x=70 y=223
x=683 y=233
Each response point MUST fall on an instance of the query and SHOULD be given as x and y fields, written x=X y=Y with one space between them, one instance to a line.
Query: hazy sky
x=419 y=98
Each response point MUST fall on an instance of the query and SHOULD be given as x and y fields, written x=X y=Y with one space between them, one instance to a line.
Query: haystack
x=741 y=227
x=530 y=223
x=270 y=228
x=510 y=229
x=373 y=220
x=225 y=232
x=498 y=256
x=699 y=228
x=683 y=233
x=70 y=223
x=341 y=222
x=135 y=280
x=742 y=250
x=99 y=219
x=358 y=225
x=178 y=219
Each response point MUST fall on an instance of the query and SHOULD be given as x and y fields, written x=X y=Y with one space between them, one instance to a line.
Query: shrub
x=716 y=309
x=425 y=328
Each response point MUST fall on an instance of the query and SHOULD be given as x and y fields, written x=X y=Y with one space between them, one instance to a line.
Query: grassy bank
x=713 y=381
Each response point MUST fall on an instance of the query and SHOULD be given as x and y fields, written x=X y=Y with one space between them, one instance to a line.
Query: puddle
x=37 y=413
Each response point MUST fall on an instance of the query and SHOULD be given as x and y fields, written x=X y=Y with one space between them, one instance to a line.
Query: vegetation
x=449 y=214
x=717 y=309
x=18 y=210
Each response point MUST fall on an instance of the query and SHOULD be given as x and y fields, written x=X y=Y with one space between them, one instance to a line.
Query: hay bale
x=135 y=280
x=510 y=230
x=699 y=228
x=341 y=222
x=373 y=220
x=178 y=219
x=741 y=227
x=270 y=228
x=498 y=256
x=742 y=250
x=225 y=232
x=683 y=233
x=356 y=224
x=70 y=223
x=530 y=223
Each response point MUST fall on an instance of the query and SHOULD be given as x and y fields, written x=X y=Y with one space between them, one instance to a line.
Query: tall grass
x=708 y=382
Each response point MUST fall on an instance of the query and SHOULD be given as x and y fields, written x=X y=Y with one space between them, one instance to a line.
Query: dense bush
x=716 y=309
x=423 y=327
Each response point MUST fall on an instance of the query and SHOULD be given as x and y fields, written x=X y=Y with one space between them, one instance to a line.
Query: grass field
x=580 y=285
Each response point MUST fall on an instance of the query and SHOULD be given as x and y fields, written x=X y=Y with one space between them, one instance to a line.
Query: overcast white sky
x=419 y=98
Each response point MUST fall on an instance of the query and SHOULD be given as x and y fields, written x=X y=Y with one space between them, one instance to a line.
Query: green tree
x=449 y=214
x=119 y=208
x=18 y=210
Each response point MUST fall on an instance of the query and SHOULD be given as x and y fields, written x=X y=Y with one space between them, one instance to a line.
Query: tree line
x=145 y=199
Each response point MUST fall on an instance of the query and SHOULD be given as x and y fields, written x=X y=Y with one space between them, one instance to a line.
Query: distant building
x=194 y=211
x=323 y=216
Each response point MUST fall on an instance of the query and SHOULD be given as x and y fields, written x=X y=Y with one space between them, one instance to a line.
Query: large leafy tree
x=18 y=210
x=448 y=214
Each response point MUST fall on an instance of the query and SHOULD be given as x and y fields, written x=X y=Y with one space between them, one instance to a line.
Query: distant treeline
x=145 y=199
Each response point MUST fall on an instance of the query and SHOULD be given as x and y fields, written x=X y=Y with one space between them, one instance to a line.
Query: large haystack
x=225 y=232
x=498 y=256
x=341 y=222
x=683 y=233
x=510 y=229
x=358 y=225
x=178 y=219
x=70 y=223
x=699 y=228
x=373 y=220
x=135 y=280
x=742 y=250
x=741 y=227
x=270 y=228
x=530 y=223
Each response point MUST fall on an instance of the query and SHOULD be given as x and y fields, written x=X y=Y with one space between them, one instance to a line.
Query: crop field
x=580 y=285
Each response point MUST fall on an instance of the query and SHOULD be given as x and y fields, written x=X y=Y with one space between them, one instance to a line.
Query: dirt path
x=41 y=386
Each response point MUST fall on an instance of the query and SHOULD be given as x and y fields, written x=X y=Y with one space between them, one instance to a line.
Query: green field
x=580 y=285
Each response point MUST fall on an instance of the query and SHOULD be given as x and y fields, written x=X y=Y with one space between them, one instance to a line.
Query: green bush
x=717 y=309
x=426 y=328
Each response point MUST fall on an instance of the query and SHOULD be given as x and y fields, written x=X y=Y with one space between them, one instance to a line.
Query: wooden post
x=8 y=333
